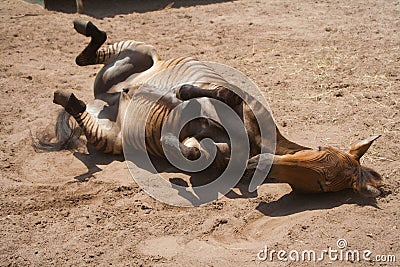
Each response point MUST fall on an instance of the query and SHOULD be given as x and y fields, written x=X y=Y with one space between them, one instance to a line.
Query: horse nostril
x=370 y=191
x=380 y=187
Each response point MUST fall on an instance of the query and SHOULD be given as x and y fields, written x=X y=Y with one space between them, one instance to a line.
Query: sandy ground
x=329 y=69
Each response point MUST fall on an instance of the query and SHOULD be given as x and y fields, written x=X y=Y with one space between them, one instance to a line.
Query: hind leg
x=89 y=55
x=121 y=60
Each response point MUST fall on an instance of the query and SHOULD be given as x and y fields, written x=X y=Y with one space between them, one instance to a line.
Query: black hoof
x=69 y=101
x=81 y=27
x=186 y=92
x=88 y=29
x=174 y=147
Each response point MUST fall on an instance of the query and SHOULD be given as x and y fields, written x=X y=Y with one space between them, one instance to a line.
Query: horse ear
x=358 y=150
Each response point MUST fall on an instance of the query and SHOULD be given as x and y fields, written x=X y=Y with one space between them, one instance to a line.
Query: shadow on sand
x=288 y=204
x=103 y=8
x=293 y=203
x=92 y=160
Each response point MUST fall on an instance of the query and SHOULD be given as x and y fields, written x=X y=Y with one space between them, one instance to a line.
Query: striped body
x=134 y=75
x=136 y=91
x=156 y=97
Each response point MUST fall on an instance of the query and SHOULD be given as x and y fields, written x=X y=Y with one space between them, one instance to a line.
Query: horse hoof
x=69 y=101
x=82 y=27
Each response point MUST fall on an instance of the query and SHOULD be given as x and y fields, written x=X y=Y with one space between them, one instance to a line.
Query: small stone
x=338 y=94
x=145 y=207
x=304 y=227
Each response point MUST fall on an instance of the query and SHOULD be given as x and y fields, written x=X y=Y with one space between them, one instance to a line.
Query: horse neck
x=284 y=146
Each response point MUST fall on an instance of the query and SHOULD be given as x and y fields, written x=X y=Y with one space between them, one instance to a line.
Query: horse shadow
x=293 y=202
x=101 y=8
x=288 y=204
x=92 y=159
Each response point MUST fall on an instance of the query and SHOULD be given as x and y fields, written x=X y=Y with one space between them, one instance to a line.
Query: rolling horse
x=138 y=88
